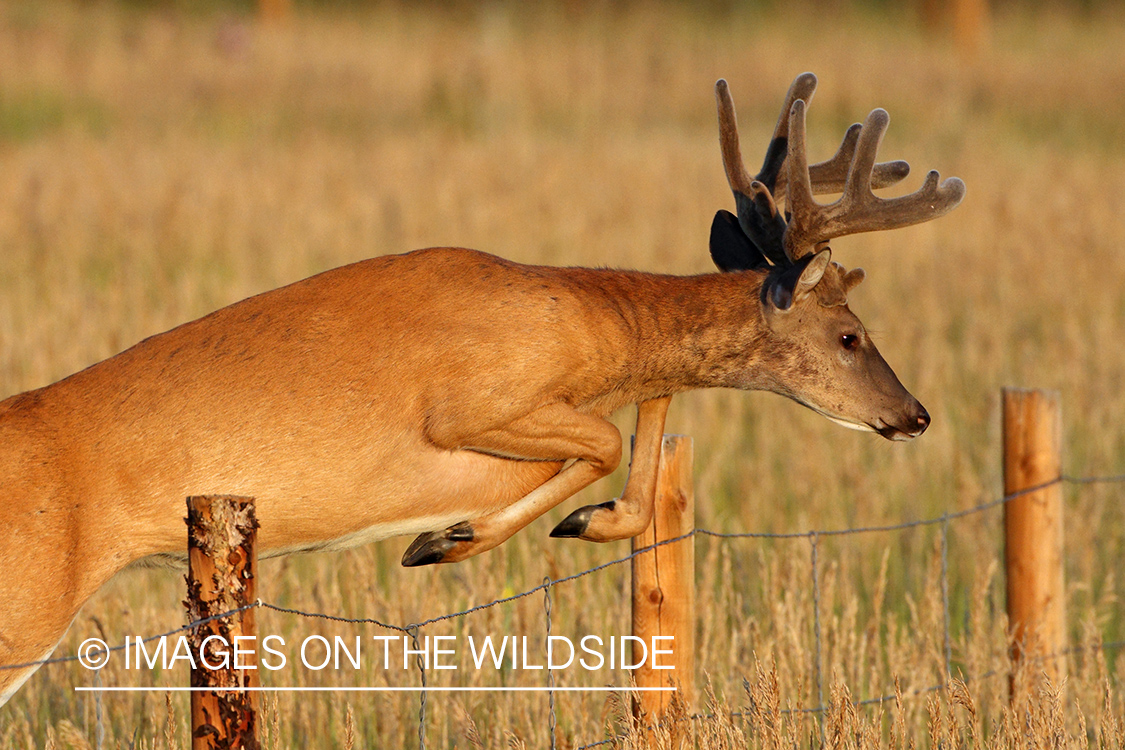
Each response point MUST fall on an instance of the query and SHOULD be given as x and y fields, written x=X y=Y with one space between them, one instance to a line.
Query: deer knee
x=605 y=450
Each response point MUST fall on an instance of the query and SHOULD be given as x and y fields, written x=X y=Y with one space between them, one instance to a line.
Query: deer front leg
x=631 y=513
x=552 y=433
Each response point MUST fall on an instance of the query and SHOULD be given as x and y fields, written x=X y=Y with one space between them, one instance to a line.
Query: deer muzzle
x=913 y=423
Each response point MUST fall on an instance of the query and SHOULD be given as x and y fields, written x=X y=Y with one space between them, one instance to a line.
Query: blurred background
x=159 y=160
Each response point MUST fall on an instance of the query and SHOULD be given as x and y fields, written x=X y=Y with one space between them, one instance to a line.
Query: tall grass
x=155 y=165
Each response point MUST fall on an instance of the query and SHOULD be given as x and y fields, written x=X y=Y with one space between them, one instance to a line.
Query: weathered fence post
x=664 y=587
x=1033 y=530
x=222 y=576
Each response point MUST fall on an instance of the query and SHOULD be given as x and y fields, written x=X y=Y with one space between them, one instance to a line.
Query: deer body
x=358 y=404
x=444 y=392
x=348 y=400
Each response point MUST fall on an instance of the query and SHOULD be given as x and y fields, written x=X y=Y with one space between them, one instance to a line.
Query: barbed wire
x=904 y=525
x=813 y=535
x=110 y=649
x=338 y=618
x=942 y=519
x=814 y=540
x=1106 y=479
x=748 y=713
x=552 y=720
x=487 y=605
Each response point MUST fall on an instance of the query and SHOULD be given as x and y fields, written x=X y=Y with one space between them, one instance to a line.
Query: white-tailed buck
x=445 y=392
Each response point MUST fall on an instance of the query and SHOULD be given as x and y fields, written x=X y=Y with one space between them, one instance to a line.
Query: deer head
x=824 y=357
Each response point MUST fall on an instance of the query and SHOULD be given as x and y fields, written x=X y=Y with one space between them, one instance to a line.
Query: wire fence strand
x=413 y=629
x=944 y=519
x=947 y=640
x=552 y=720
x=183 y=629
x=813 y=538
x=418 y=654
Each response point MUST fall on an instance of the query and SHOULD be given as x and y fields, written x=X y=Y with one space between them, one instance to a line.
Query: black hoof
x=574 y=525
x=426 y=551
x=432 y=547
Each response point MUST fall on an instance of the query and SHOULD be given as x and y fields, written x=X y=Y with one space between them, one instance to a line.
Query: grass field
x=156 y=165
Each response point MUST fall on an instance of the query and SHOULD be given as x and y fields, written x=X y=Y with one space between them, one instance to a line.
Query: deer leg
x=552 y=433
x=630 y=514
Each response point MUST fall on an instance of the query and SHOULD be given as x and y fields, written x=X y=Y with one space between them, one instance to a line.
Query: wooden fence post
x=970 y=26
x=1033 y=530
x=222 y=576
x=275 y=11
x=967 y=20
x=664 y=588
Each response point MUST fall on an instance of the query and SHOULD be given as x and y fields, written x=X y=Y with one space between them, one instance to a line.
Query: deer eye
x=849 y=341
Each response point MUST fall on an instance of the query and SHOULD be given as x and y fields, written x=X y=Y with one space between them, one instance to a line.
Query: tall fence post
x=1033 y=531
x=664 y=587
x=222 y=576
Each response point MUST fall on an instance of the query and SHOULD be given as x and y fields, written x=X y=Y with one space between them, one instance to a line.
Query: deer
x=447 y=393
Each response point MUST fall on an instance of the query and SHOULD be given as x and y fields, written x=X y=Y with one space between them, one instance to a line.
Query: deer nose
x=923 y=420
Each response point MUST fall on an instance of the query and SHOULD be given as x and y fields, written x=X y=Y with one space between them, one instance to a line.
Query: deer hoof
x=433 y=546
x=575 y=525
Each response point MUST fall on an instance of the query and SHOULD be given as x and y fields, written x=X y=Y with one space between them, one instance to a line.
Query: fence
x=1032 y=506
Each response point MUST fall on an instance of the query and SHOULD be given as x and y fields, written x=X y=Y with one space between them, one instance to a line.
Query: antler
x=830 y=176
x=757 y=198
x=858 y=209
x=802 y=89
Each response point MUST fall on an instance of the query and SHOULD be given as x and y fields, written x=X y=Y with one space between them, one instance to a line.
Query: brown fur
x=409 y=391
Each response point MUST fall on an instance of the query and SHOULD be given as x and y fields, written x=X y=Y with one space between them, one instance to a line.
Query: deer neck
x=690 y=332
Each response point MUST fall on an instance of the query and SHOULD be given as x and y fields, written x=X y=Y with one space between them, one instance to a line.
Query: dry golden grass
x=156 y=165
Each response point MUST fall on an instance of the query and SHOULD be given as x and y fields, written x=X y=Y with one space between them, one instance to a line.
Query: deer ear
x=731 y=249
x=852 y=279
x=813 y=272
x=798 y=280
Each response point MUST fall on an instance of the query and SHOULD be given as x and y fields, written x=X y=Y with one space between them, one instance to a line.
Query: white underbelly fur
x=374 y=533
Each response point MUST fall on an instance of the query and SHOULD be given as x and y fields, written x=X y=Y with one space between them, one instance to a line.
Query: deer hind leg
x=11 y=680
x=551 y=433
x=33 y=618
x=631 y=513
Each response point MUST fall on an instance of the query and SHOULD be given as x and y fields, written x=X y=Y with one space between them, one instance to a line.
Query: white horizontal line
x=607 y=689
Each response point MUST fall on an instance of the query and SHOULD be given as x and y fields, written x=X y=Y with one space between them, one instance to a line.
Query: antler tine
x=829 y=176
x=862 y=211
x=757 y=213
x=802 y=89
x=858 y=183
x=737 y=176
x=802 y=208
x=858 y=209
